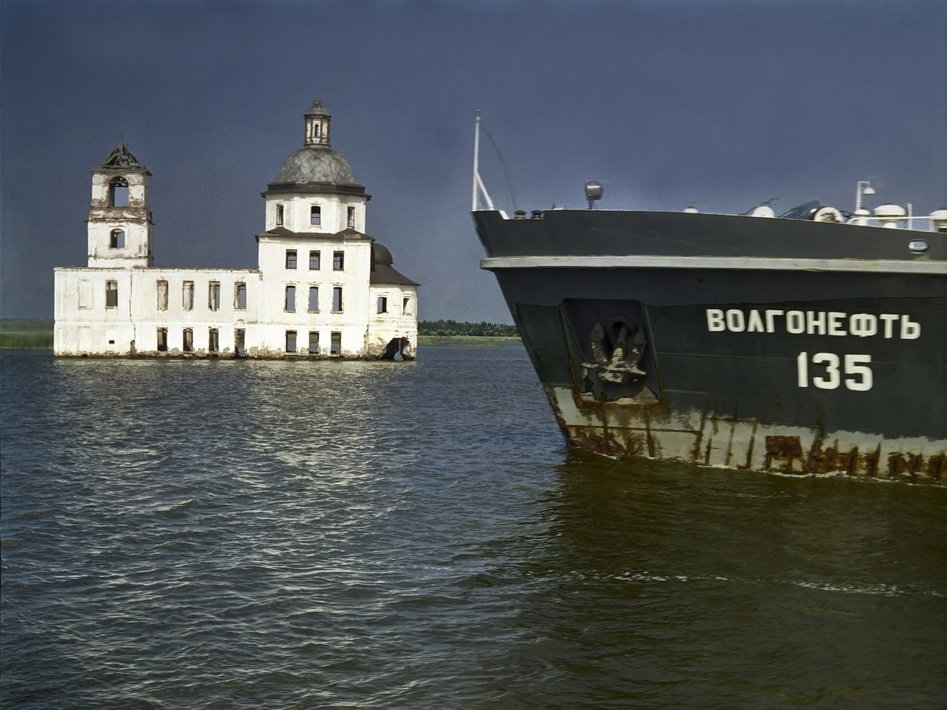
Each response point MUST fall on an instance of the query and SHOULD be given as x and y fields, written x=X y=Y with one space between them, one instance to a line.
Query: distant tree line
x=452 y=327
x=38 y=332
x=22 y=325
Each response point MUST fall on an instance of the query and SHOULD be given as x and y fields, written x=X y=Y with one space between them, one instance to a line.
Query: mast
x=476 y=160
x=477 y=182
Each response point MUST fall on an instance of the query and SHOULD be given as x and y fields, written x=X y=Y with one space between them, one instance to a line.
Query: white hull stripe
x=890 y=266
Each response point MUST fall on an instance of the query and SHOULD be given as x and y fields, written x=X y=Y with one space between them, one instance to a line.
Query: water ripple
x=183 y=534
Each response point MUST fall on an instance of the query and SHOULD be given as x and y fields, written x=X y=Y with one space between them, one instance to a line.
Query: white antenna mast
x=478 y=186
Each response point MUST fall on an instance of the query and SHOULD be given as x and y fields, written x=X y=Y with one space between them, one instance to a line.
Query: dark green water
x=415 y=535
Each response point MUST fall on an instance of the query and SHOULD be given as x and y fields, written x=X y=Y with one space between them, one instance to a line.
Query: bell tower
x=119 y=222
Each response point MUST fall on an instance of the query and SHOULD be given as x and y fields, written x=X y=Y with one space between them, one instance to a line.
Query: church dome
x=316 y=163
x=382 y=270
x=381 y=255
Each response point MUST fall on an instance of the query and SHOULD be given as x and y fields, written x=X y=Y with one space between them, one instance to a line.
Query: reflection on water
x=280 y=534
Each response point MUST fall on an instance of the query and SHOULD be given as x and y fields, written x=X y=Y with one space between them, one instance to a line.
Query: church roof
x=317 y=109
x=349 y=234
x=316 y=163
x=121 y=159
x=382 y=271
x=386 y=275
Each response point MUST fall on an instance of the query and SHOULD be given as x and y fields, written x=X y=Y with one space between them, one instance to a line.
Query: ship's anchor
x=621 y=366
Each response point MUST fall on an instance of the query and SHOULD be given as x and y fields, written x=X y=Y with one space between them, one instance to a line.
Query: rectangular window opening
x=382 y=304
x=240 y=341
x=290 y=258
x=111 y=294
x=335 y=348
x=290 y=341
x=187 y=339
x=351 y=218
x=313 y=342
x=213 y=340
x=406 y=306
x=118 y=192
x=162 y=340
x=290 y=304
x=213 y=295
x=162 y=289
x=315 y=260
x=85 y=294
x=120 y=196
x=338 y=261
x=240 y=296
x=315 y=215
x=337 y=299
x=117 y=239
x=187 y=296
x=279 y=214
x=313 y=299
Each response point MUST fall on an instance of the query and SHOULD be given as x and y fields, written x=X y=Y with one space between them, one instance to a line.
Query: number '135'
x=826 y=370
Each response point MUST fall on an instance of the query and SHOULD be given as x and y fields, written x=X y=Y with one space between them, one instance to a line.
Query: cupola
x=317 y=124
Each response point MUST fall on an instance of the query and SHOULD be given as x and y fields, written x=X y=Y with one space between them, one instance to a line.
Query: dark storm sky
x=716 y=103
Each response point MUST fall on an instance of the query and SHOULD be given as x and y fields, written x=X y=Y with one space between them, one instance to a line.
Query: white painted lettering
x=833 y=378
x=832 y=323
x=771 y=318
x=735 y=321
x=909 y=329
x=863 y=325
x=754 y=323
x=857 y=366
x=715 y=320
x=889 y=319
x=815 y=322
x=796 y=322
x=835 y=323
x=802 y=369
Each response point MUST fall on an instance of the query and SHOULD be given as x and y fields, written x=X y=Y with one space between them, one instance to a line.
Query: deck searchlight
x=593 y=191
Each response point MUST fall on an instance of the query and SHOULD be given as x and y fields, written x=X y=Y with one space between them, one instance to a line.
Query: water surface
x=415 y=535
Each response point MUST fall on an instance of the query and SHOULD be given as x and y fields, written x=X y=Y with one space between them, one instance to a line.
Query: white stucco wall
x=297 y=212
x=86 y=326
x=353 y=279
x=398 y=321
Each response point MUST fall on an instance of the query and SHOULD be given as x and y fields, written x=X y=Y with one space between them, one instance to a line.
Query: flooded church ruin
x=323 y=287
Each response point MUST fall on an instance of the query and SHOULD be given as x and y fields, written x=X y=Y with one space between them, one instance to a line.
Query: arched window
x=118 y=192
x=117 y=239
